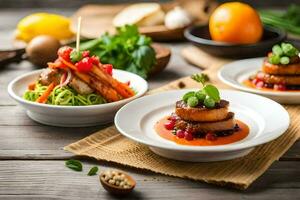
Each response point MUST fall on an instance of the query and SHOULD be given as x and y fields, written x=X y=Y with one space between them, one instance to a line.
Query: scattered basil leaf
x=212 y=92
x=74 y=165
x=93 y=171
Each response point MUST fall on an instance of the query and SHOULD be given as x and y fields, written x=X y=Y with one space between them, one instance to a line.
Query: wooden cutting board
x=97 y=19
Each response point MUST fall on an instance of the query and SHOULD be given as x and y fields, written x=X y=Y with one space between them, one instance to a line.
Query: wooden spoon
x=117 y=190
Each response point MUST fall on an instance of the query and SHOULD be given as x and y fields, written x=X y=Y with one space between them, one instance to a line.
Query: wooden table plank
x=40 y=142
x=37 y=179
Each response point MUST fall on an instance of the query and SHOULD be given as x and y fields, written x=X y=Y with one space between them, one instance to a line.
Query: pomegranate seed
x=180 y=133
x=280 y=87
x=260 y=76
x=254 y=81
x=259 y=84
x=169 y=125
x=211 y=136
x=188 y=136
x=172 y=118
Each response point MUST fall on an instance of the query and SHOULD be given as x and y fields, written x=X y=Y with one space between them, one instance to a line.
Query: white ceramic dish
x=234 y=73
x=266 y=119
x=73 y=116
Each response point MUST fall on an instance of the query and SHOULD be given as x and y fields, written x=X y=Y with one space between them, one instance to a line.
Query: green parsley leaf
x=93 y=171
x=212 y=92
x=74 y=165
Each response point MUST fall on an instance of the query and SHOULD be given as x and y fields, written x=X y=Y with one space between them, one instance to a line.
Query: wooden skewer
x=78 y=34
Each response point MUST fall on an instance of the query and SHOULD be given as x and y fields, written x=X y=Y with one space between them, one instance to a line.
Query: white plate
x=234 y=73
x=266 y=119
x=73 y=116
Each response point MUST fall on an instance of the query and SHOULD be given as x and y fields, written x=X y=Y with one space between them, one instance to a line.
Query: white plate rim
x=217 y=148
x=112 y=104
x=239 y=86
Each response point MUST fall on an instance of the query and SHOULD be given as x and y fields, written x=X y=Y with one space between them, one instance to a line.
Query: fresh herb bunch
x=208 y=96
x=282 y=54
x=127 y=50
x=289 y=20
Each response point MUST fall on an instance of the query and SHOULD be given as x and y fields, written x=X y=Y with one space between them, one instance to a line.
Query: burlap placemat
x=109 y=145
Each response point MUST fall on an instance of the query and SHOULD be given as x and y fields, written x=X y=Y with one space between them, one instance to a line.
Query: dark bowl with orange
x=199 y=35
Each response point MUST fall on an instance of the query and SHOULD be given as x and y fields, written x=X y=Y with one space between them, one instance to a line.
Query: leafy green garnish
x=201 y=78
x=74 y=165
x=75 y=56
x=212 y=92
x=208 y=96
x=281 y=54
x=127 y=50
x=93 y=171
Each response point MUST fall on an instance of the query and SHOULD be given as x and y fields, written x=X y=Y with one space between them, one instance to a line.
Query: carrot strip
x=43 y=98
x=122 y=89
x=68 y=64
x=109 y=93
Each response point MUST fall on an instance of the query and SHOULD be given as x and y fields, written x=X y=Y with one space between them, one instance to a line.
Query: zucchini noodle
x=65 y=96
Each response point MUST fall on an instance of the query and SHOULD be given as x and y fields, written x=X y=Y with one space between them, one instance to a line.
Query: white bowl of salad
x=76 y=90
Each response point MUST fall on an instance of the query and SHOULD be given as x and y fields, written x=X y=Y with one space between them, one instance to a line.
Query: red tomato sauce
x=236 y=136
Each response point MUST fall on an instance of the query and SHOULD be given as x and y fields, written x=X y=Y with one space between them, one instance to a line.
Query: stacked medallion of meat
x=280 y=70
x=202 y=114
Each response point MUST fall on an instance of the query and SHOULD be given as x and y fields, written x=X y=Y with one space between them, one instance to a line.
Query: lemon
x=36 y=24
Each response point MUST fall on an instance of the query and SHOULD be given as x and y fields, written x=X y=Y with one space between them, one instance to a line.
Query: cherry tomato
x=85 y=54
x=85 y=65
x=95 y=60
x=108 y=68
x=64 y=52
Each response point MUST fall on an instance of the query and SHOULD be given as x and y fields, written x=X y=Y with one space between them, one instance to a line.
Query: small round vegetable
x=284 y=60
x=274 y=59
x=277 y=50
x=187 y=95
x=200 y=96
x=192 y=101
x=209 y=102
x=42 y=49
x=288 y=49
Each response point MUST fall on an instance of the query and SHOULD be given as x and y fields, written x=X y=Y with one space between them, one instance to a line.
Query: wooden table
x=32 y=159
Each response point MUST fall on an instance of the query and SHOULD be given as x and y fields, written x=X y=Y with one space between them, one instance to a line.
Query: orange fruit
x=235 y=22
